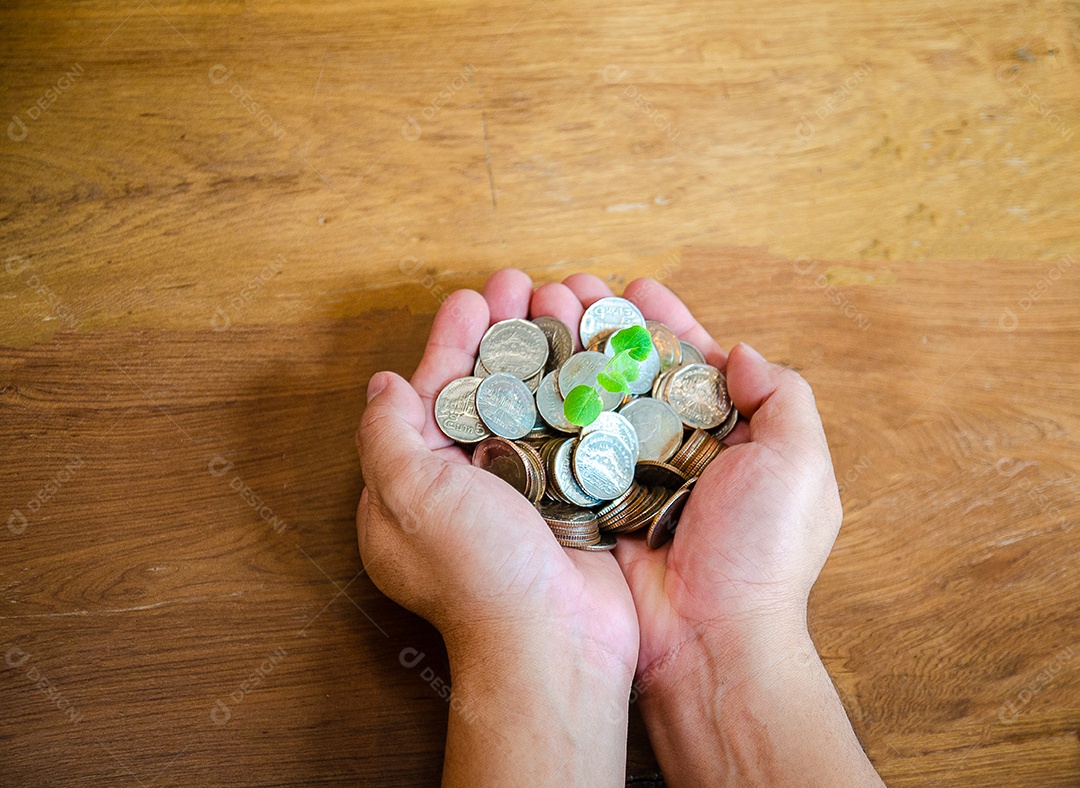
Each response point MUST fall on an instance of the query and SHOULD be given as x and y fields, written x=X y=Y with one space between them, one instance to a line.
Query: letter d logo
x=411 y=129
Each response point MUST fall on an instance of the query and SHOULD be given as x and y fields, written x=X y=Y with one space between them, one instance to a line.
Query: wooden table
x=220 y=219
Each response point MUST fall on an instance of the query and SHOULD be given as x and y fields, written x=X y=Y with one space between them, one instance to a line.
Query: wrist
x=541 y=707
x=755 y=707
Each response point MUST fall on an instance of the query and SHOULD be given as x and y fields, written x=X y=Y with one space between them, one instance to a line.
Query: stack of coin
x=575 y=527
x=517 y=464
x=696 y=452
x=633 y=510
x=629 y=470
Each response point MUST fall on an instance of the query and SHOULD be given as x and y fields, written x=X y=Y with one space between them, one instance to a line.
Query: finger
x=656 y=302
x=741 y=434
x=508 y=292
x=587 y=288
x=776 y=400
x=644 y=570
x=455 y=337
x=558 y=301
x=389 y=441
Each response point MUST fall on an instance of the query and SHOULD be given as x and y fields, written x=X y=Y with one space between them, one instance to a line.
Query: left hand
x=460 y=547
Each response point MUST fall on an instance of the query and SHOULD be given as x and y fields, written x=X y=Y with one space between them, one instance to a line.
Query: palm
x=744 y=541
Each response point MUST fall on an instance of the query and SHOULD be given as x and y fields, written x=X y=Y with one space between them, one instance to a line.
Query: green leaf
x=635 y=340
x=624 y=365
x=613 y=382
x=582 y=405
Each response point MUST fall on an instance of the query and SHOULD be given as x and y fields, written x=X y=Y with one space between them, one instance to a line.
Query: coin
x=505 y=405
x=628 y=470
x=619 y=426
x=666 y=520
x=659 y=428
x=696 y=453
x=502 y=458
x=582 y=369
x=607 y=542
x=560 y=341
x=516 y=346
x=455 y=411
x=550 y=404
x=602 y=465
x=608 y=313
x=571 y=525
x=690 y=354
x=725 y=429
x=698 y=393
x=658 y=474
x=598 y=342
x=666 y=343
x=561 y=466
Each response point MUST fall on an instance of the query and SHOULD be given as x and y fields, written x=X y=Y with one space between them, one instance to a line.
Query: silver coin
x=659 y=428
x=618 y=425
x=563 y=468
x=550 y=404
x=582 y=369
x=516 y=346
x=603 y=466
x=608 y=313
x=532 y=383
x=505 y=405
x=690 y=354
x=647 y=370
x=698 y=394
x=607 y=542
x=560 y=341
x=479 y=370
x=456 y=414
x=666 y=343
x=725 y=429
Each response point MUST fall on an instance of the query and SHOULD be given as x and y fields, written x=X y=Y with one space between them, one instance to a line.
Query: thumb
x=777 y=401
x=389 y=441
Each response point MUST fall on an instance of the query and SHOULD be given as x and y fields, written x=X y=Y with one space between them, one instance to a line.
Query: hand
x=732 y=687
x=541 y=639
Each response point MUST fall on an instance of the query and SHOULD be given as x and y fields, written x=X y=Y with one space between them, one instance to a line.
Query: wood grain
x=195 y=291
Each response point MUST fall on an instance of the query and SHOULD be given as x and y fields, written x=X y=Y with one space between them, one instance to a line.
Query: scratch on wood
x=165 y=603
x=487 y=157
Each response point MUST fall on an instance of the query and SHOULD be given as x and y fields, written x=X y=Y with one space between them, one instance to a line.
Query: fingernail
x=747 y=349
x=377 y=383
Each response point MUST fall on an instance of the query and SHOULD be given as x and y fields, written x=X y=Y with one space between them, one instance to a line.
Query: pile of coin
x=633 y=468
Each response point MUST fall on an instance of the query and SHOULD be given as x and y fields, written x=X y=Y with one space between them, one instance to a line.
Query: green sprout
x=632 y=346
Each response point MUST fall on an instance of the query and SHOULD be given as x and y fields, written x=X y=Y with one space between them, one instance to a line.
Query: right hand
x=756 y=529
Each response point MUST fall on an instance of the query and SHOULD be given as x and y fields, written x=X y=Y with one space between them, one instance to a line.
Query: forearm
x=764 y=713
x=537 y=716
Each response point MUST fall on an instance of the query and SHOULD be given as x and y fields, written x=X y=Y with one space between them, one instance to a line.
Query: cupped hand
x=456 y=544
x=756 y=529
